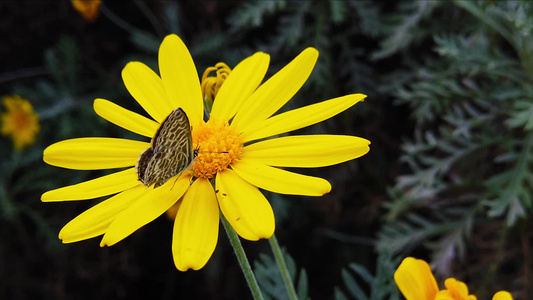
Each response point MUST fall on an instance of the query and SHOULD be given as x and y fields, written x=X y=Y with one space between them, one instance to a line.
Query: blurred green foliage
x=269 y=278
x=449 y=177
x=381 y=285
x=470 y=158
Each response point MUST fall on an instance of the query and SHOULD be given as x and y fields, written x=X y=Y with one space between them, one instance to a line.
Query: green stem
x=283 y=268
x=243 y=261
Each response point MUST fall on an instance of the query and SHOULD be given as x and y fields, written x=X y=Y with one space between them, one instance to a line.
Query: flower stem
x=243 y=261
x=283 y=268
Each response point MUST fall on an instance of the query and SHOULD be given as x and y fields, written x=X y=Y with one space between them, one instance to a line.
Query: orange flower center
x=218 y=146
x=21 y=120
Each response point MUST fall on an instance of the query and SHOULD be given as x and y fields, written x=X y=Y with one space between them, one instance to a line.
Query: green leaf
x=270 y=281
x=522 y=116
x=145 y=41
x=338 y=11
x=513 y=189
x=352 y=286
x=381 y=286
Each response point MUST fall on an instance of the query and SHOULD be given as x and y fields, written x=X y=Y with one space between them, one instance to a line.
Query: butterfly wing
x=171 y=150
x=142 y=164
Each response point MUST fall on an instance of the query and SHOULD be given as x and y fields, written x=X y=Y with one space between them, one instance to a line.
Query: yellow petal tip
x=325 y=187
x=312 y=52
x=361 y=96
x=43 y=197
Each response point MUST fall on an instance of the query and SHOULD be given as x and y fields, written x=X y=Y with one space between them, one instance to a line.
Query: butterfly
x=170 y=153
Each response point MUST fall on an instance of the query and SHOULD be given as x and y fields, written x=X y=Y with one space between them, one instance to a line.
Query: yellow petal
x=180 y=78
x=458 y=289
x=125 y=118
x=239 y=85
x=502 y=295
x=415 y=280
x=450 y=295
x=280 y=181
x=99 y=187
x=299 y=118
x=277 y=90
x=244 y=206
x=94 y=221
x=196 y=227
x=306 y=151
x=146 y=87
x=94 y=153
x=445 y=295
x=143 y=211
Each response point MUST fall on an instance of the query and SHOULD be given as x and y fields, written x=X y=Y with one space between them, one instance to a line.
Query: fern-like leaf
x=270 y=281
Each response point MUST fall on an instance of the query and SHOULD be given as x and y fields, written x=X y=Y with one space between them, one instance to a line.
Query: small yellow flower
x=416 y=282
x=455 y=290
x=211 y=84
x=19 y=122
x=89 y=9
x=234 y=153
x=502 y=295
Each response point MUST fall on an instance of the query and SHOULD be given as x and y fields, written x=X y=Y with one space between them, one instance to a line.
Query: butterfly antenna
x=175 y=181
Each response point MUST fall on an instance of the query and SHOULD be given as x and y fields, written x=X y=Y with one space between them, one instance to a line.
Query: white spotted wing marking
x=170 y=153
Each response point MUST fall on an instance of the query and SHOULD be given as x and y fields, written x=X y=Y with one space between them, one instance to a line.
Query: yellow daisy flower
x=233 y=152
x=416 y=282
x=88 y=9
x=19 y=122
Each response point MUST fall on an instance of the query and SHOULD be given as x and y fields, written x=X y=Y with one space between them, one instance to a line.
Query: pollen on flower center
x=218 y=146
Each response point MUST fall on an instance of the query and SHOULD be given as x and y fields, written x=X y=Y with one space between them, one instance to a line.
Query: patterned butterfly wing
x=142 y=163
x=170 y=153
